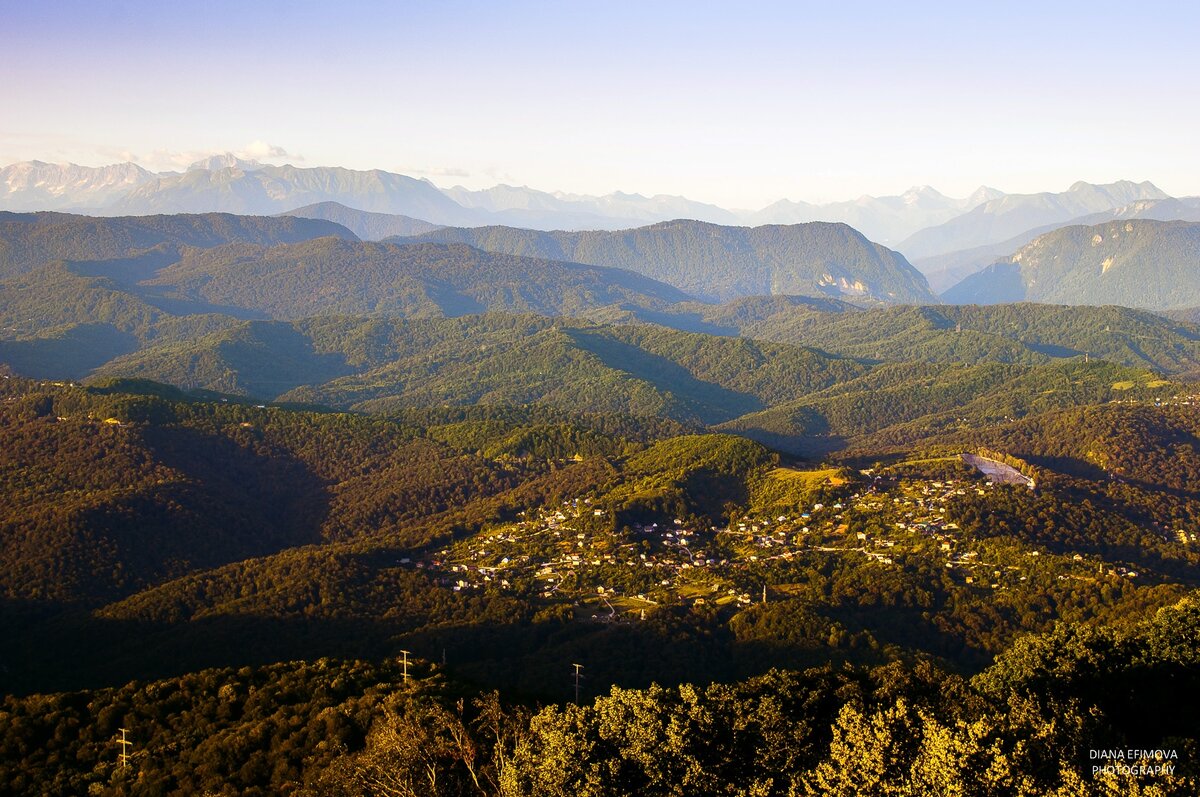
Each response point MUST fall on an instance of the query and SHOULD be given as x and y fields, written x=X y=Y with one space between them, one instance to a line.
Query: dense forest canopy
x=878 y=607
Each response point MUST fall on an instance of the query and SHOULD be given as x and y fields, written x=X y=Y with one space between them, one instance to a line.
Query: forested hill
x=330 y=275
x=1136 y=263
x=64 y=320
x=28 y=240
x=368 y=226
x=793 y=398
x=1020 y=332
x=910 y=401
x=383 y=363
x=717 y=262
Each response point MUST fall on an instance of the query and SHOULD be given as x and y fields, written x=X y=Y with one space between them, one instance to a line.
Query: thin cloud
x=499 y=175
x=262 y=151
x=118 y=155
x=179 y=160
x=435 y=171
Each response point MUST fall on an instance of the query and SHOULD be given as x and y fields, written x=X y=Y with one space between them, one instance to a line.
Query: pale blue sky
x=738 y=104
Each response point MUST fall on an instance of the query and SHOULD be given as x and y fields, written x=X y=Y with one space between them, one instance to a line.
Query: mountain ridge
x=944 y=271
x=1134 y=262
x=28 y=240
x=1012 y=214
x=229 y=182
x=715 y=261
x=366 y=225
x=887 y=219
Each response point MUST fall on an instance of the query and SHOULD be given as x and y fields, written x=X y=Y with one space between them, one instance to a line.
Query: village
x=577 y=552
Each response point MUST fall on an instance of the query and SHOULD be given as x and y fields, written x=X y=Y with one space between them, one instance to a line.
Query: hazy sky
x=738 y=104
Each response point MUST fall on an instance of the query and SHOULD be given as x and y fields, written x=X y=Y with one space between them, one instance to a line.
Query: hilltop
x=28 y=240
x=367 y=226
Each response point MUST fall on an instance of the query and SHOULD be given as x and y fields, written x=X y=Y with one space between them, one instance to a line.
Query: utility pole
x=405 y=652
x=124 y=756
x=764 y=592
x=577 y=667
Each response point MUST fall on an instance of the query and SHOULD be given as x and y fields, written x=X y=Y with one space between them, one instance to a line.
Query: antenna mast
x=124 y=756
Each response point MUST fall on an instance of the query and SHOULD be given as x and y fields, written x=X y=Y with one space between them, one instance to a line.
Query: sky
x=738 y=104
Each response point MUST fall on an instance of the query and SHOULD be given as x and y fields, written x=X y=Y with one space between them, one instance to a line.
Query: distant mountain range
x=886 y=219
x=226 y=183
x=526 y=207
x=34 y=185
x=715 y=254
x=1134 y=263
x=922 y=223
x=274 y=189
x=1006 y=216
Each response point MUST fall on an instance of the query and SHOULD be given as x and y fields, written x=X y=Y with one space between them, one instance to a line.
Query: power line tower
x=405 y=661
x=577 y=667
x=124 y=756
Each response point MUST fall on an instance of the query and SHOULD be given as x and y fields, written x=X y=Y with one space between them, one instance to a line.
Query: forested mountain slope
x=1136 y=263
x=716 y=262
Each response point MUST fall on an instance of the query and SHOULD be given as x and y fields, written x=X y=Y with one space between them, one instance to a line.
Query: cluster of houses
x=576 y=552
x=1178 y=400
x=572 y=551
